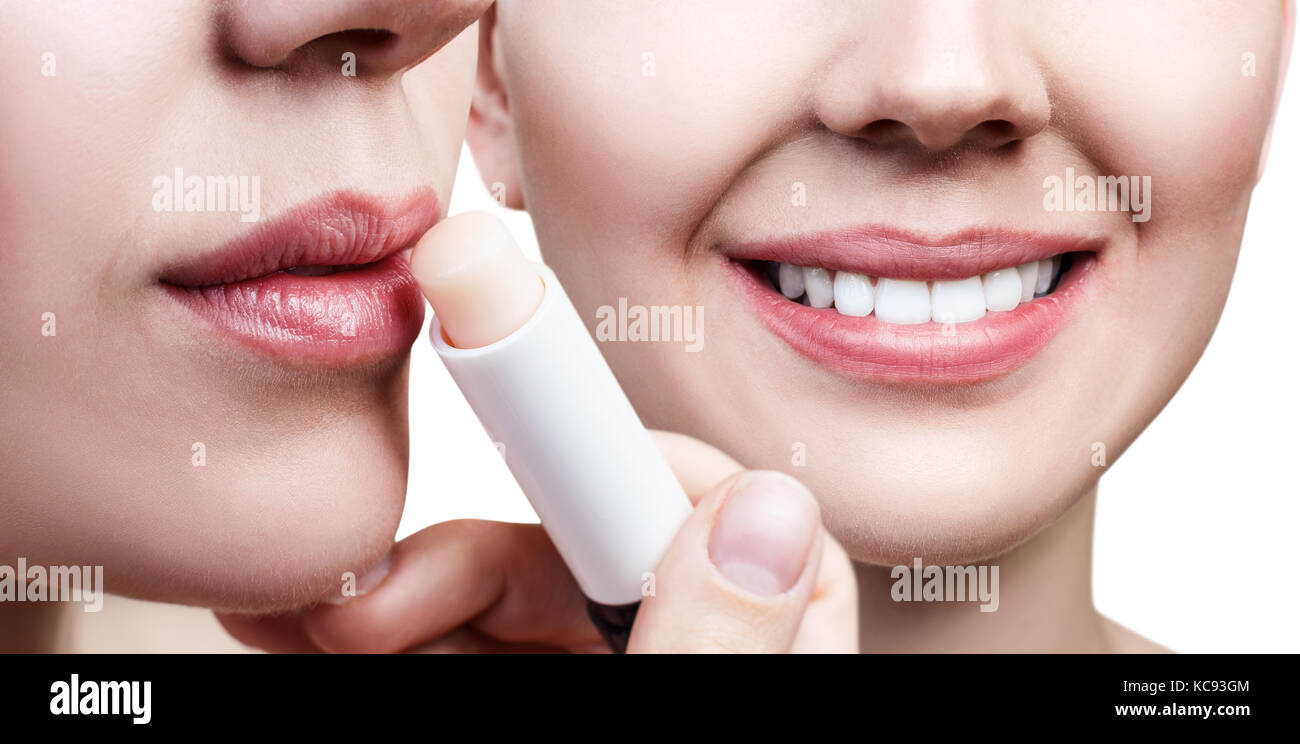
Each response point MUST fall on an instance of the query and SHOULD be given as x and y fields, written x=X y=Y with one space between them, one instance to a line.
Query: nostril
x=885 y=131
x=1000 y=134
x=1000 y=128
x=891 y=132
x=362 y=38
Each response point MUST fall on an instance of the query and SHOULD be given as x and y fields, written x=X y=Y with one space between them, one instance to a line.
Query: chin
x=942 y=522
x=263 y=534
x=948 y=486
x=295 y=557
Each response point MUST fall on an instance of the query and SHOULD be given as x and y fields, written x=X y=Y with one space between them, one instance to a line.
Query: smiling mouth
x=890 y=307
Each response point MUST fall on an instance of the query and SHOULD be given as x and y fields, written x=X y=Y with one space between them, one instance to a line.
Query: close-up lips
x=327 y=283
x=894 y=306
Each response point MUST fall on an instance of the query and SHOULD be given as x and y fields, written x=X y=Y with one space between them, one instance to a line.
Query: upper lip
x=884 y=251
x=344 y=228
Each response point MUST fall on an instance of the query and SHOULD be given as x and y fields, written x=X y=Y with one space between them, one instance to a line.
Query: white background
x=1197 y=524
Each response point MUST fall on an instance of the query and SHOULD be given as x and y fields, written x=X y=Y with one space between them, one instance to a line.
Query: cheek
x=1188 y=106
x=68 y=156
x=669 y=111
x=76 y=209
x=90 y=109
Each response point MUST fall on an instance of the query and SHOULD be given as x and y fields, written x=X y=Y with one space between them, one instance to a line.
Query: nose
x=935 y=75
x=386 y=36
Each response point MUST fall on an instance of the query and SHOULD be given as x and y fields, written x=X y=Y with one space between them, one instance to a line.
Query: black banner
x=258 y=693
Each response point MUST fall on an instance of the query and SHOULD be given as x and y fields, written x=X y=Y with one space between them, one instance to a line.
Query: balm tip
x=479 y=283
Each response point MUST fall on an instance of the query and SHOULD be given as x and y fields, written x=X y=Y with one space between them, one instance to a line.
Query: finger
x=830 y=624
x=503 y=580
x=740 y=572
x=698 y=466
x=277 y=634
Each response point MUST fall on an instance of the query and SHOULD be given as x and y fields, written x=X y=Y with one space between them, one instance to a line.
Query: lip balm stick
x=524 y=360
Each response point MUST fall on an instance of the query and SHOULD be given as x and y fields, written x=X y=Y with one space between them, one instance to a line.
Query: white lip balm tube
x=542 y=390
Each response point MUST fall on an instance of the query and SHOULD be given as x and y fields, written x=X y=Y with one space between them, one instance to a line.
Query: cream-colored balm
x=478 y=282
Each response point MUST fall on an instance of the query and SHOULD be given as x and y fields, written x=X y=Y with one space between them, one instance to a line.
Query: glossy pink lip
x=369 y=311
x=926 y=353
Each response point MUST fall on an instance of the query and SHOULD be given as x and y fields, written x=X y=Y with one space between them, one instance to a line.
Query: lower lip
x=345 y=318
x=925 y=353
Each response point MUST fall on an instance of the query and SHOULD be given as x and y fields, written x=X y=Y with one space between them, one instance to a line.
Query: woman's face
x=209 y=428
x=668 y=151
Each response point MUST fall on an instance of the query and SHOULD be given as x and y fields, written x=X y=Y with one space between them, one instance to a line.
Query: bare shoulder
x=1124 y=641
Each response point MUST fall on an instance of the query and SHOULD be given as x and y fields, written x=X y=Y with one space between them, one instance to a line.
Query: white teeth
x=817 y=283
x=1002 y=290
x=1044 y=276
x=1028 y=280
x=958 y=301
x=911 y=302
x=902 y=301
x=854 y=294
x=791 y=280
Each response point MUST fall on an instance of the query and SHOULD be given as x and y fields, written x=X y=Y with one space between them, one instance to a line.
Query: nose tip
x=948 y=74
x=386 y=36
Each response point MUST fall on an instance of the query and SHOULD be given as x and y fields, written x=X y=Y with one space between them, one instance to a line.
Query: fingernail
x=762 y=536
x=369 y=580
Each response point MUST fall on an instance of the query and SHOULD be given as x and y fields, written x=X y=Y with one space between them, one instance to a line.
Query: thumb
x=739 y=575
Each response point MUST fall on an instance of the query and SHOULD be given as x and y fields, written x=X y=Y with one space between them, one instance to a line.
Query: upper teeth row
x=908 y=301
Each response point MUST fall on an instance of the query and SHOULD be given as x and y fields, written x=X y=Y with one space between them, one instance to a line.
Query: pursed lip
x=925 y=353
x=370 y=308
